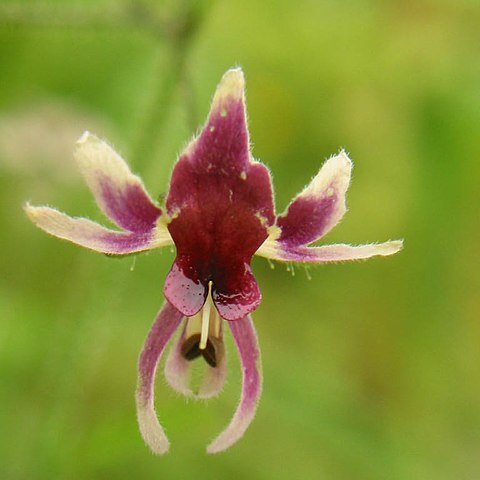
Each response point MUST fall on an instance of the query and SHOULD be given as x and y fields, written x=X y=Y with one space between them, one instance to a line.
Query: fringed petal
x=163 y=328
x=119 y=193
x=320 y=206
x=274 y=250
x=88 y=234
x=246 y=341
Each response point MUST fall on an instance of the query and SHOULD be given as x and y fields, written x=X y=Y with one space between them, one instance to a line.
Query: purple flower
x=219 y=212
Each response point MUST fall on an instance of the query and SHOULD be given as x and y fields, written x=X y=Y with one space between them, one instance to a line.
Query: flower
x=219 y=212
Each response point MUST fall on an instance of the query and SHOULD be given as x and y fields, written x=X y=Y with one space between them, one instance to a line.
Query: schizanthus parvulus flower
x=218 y=213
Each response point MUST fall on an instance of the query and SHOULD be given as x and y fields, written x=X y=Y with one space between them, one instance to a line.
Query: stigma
x=203 y=334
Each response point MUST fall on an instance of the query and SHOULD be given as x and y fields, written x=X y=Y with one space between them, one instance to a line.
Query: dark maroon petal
x=247 y=344
x=118 y=192
x=236 y=295
x=221 y=204
x=320 y=206
x=129 y=208
x=305 y=220
x=163 y=328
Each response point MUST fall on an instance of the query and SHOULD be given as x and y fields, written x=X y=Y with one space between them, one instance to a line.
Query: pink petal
x=185 y=290
x=328 y=253
x=91 y=235
x=120 y=194
x=246 y=340
x=178 y=369
x=167 y=321
x=214 y=379
x=320 y=206
x=221 y=205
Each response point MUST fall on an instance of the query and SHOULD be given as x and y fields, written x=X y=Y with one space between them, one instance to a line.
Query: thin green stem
x=179 y=32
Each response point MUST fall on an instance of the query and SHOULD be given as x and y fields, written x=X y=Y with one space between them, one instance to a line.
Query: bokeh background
x=372 y=369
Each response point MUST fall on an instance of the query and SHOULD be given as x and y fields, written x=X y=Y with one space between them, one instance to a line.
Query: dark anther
x=191 y=350
x=209 y=354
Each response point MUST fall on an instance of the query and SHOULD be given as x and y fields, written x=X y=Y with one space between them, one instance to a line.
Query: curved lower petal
x=88 y=234
x=320 y=206
x=163 y=328
x=177 y=368
x=328 y=253
x=246 y=341
x=178 y=373
x=118 y=192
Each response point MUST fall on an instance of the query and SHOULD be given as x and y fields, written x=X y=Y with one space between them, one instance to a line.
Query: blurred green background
x=372 y=369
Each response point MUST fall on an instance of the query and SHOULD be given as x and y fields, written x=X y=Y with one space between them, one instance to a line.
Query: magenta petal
x=246 y=341
x=118 y=192
x=185 y=290
x=167 y=321
x=320 y=206
x=220 y=203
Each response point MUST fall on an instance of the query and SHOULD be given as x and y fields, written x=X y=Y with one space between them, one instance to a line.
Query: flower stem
x=178 y=31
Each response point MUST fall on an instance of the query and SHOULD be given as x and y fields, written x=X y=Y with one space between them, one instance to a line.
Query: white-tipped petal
x=274 y=250
x=88 y=234
x=319 y=207
x=247 y=344
x=119 y=193
x=162 y=330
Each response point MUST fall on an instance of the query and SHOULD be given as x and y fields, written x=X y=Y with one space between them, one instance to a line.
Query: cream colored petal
x=327 y=253
x=88 y=234
x=119 y=193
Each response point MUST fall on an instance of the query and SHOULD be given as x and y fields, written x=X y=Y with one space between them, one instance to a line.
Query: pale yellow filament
x=206 y=319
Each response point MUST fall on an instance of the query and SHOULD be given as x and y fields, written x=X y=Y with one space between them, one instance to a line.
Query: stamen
x=206 y=318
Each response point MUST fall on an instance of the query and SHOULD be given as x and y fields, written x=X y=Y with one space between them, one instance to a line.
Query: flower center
x=203 y=334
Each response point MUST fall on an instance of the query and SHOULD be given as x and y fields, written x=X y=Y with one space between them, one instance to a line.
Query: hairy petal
x=167 y=321
x=320 y=206
x=214 y=379
x=327 y=253
x=246 y=341
x=220 y=203
x=119 y=193
x=178 y=370
x=88 y=234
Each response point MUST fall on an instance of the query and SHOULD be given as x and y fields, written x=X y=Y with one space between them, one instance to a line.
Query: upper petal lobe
x=118 y=192
x=220 y=203
x=320 y=206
